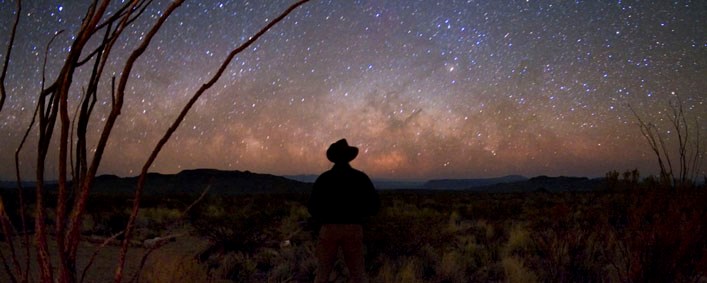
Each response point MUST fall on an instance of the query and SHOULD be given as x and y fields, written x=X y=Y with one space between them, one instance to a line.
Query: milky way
x=425 y=89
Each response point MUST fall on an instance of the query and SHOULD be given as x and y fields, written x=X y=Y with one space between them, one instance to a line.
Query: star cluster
x=425 y=89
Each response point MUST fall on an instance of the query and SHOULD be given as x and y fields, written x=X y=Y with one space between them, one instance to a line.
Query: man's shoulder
x=322 y=176
x=337 y=172
x=351 y=170
x=360 y=172
x=360 y=175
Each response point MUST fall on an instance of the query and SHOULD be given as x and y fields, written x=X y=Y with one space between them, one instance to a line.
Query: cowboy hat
x=340 y=151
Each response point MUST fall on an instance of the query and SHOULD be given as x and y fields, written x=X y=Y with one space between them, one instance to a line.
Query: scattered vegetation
x=633 y=232
x=65 y=139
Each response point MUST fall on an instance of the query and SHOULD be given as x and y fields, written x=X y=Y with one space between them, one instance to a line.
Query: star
x=430 y=89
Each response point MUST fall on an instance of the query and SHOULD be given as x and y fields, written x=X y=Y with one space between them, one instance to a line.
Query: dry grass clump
x=514 y=271
x=168 y=269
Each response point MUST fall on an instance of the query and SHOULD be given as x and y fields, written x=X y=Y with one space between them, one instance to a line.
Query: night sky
x=425 y=89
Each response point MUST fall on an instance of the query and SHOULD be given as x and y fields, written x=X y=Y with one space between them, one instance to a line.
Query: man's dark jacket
x=343 y=195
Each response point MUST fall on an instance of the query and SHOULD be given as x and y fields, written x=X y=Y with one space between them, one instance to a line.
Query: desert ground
x=620 y=235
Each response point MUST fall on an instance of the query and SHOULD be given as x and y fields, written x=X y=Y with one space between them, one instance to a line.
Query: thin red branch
x=119 y=14
x=68 y=239
x=6 y=62
x=9 y=239
x=67 y=263
x=177 y=122
x=18 y=176
x=95 y=253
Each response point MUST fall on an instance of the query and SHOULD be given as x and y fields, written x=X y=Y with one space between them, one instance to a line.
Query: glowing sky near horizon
x=425 y=89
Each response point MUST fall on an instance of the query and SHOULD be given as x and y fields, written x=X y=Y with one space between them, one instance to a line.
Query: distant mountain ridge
x=461 y=184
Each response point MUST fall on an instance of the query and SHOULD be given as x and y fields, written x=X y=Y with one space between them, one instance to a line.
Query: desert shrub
x=401 y=228
x=107 y=214
x=240 y=223
x=662 y=237
x=515 y=271
x=564 y=245
x=519 y=242
x=410 y=272
x=452 y=267
x=237 y=266
x=256 y=238
x=154 y=221
x=296 y=263
x=175 y=269
x=295 y=227
x=567 y=256
x=108 y=222
x=404 y=269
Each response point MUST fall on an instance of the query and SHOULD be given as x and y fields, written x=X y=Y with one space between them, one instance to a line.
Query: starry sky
x=425 y=89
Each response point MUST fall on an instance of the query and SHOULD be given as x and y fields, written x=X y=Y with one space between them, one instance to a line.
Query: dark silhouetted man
x=342 y=199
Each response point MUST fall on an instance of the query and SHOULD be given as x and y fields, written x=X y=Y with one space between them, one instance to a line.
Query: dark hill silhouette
x=195 y=181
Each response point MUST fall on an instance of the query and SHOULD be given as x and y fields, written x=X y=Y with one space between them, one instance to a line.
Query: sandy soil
x=103 y=267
